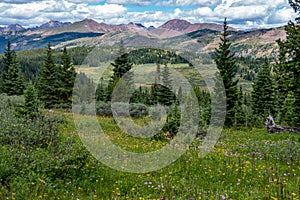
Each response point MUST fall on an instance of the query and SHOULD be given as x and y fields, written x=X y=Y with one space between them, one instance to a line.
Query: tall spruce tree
x=7 y=61
x=166 y=96
x=100 y=91
x=264 y=94
x=239 y=119
x=226 y=64
x=49 y=81
x=13 y=81
x=67 y=79
x=289 y=66
x=121 y=68
x=8 y=57
x=31 y=106
x=288 y=110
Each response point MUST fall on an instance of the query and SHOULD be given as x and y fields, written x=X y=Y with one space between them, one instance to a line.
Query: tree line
x=275 y=89
x=53 y=87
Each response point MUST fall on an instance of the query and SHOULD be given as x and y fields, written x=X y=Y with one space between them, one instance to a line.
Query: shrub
x=135 y=109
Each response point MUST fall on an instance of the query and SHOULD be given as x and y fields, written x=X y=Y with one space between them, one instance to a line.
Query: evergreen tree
x=239 y=118
x=288 y=111
x=154 y=93
x=289 y=67
x=7 y=61
x=121 y=66
x=100 y=91
x=226 y=64
x=67 y=79
x=49 y=81
x=13 y=82
x=32 y=103
x=264 y=95
x=179 y=95
x=166 y=96
x=8 y=57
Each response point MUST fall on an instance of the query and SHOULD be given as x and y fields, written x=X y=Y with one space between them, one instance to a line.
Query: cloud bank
x=241 y=14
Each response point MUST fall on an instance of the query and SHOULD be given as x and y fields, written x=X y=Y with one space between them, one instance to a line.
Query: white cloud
x=132 y=2
x=243 y=12
x=29 y=1
x=107 y=11
x=240 y=13
x=190 y=3
x=269 y=3
x=281 y=16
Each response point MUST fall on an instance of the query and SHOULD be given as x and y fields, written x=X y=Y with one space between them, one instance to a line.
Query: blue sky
x=241 y=14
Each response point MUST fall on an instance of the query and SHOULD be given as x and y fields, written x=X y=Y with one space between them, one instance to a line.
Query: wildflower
x=41 y=180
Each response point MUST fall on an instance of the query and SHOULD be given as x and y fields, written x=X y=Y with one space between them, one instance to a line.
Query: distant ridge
x=177 y=32
x=52 y=24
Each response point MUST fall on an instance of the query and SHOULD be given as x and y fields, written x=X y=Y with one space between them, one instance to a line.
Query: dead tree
x=272 y=127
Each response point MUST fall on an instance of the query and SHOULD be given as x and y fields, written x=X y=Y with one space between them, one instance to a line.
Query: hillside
x=176 y=33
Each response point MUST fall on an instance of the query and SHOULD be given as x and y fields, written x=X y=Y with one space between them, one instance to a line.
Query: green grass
x=244 y=164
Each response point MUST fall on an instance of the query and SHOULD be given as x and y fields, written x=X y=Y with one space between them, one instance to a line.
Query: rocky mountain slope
x=175 y=33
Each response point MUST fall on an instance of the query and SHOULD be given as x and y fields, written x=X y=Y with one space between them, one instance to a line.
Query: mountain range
x=174 y=33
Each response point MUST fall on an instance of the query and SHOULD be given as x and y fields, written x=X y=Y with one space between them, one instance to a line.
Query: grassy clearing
x=243 y=165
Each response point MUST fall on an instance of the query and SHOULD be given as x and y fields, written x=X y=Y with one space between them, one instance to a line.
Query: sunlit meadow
x=244 y=164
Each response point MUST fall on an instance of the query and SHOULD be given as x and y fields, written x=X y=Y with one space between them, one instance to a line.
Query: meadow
x=244 y=164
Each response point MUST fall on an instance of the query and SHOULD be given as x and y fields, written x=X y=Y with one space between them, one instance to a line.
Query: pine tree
x=239 y=118
x=100 y=91
x=121 y=69
x=32 y=103
x=67 y=79
x=289 y=66
x=9 y=72
x=13 y=82
x=8 y=57
x=264 y=95
x=154 y=93
x=288 y=111
x=166 y=96
x=179 y=95
x=49 y=82
x=226 y=64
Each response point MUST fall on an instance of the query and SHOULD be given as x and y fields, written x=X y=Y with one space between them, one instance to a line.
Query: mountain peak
x=137 y=24
x=15 y=27
x=89 y=20
x=54 y=24
x=176 y=24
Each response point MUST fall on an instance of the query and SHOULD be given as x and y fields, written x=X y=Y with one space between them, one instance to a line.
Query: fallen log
x=272 y=127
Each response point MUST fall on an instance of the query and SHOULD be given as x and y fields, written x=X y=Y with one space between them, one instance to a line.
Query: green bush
x=34 y=156
x=135 y=109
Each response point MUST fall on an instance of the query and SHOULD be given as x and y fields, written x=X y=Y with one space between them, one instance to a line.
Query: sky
x=241 y=14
